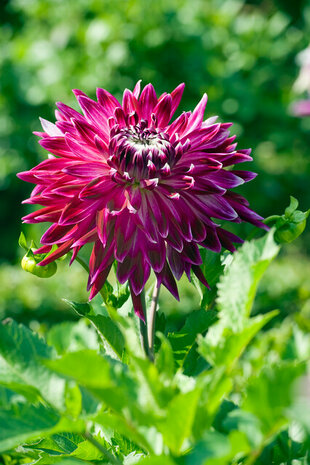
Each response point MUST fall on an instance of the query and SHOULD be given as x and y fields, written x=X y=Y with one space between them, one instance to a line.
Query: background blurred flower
x=142 y=190
x=302 y=84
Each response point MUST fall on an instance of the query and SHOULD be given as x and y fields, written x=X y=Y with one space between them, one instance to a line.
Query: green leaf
x=73 y=400
x=212 y=268
x=223 y=347
x=215 y=384
x=20 y=422
x=292 y=206
x=179 y=420
x=238 y=284
x=213 y=445
x=106 y=327
x=21 y=365
x=57 y=444
x=85 y=366
x=110 y=332
x=22 y=242
x=270 y=394
x=197 y=322
x=81 y=308
x=71 y=337
x=112 y=422
x=66 y=461
x=87 y=451
x=9 y=397
x=246 y=422
x=105 y=378
x=218 y=449
x=159 y=460
x=164 y=360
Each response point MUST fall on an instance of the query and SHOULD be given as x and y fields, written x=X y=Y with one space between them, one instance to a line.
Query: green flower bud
x=30 y=264
x=289 y=231
x=291 y=224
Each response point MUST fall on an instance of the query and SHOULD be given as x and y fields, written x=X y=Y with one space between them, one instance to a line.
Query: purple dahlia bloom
x=145 y=191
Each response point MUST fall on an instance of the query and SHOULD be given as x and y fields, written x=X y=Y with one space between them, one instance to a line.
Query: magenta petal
x=108 y=101
x=166 y=278
x=147 y=101
x=245 y=175
x=156 y=255
x=57 y=146
x=98 y=284
x=176 y=263
x=43 y=249
x=218 y=207
x=140 y=275
x=50 y=128
x=94 y=113
x=101 y=258
x=162 y=111
x=130 y=103
x=179 y=125
x=62 y=250
x=136 y=90
x=196 y=118
x=138 y=305
x=212 y=241
x=191 y=253
x=86 y=170
x=226 y=179
x=78 y=92
x=176 y=96
x=197 y=270
x=55 y=233
x=68 y=112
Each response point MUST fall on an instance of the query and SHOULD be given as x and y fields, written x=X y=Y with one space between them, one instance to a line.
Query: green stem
x=143 y=327
x=82 y=263
x=151 y=322
x=113 y=460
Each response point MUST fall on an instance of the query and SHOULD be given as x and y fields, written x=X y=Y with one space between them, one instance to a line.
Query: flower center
x=140 y=152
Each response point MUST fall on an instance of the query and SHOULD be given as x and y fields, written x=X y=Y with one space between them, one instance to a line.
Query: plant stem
x=151 y=322
x=143 y=326
x=102 y=449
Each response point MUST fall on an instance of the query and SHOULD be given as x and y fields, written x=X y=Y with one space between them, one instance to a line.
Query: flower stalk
x=151 y=322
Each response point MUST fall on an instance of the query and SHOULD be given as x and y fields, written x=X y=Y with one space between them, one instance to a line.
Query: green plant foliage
x=90 y=395
x=21 y=368
x=238 y=284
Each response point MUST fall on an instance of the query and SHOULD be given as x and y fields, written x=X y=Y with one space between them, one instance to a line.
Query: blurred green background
x=242 y=53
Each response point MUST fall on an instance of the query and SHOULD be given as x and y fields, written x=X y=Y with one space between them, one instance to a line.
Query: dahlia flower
x=145 y=191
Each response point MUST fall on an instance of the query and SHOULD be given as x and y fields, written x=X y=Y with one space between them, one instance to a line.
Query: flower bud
x=289 y=232
x=291 y=224
x=29 y=264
